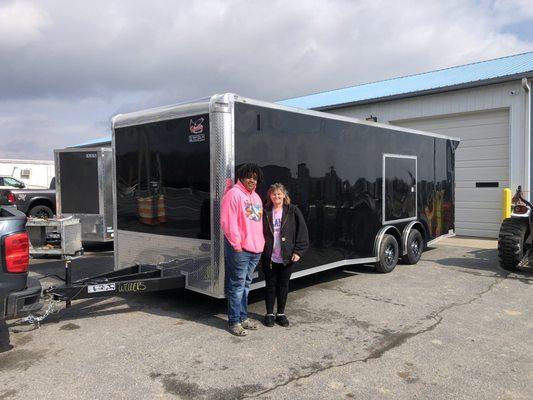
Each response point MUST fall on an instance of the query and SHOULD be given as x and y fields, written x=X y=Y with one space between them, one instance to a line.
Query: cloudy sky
x=66 y=67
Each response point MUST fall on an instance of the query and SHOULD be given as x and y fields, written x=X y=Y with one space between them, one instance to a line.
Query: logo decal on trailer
x=197 y=126
x=104 y=287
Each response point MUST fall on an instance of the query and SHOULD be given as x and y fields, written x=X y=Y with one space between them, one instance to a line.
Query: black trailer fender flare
x=407 y=230
x=379 y=238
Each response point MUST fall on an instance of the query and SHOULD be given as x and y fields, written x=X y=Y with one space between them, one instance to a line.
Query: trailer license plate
x=197 y=138
x=104 y=287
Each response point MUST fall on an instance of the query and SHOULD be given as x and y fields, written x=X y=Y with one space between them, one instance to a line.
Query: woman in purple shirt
x=286 y=239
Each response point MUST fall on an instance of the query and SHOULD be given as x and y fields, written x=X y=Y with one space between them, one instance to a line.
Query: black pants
x=277 y=286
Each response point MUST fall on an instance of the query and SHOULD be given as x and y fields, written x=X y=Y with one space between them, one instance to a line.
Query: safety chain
x=53 y=308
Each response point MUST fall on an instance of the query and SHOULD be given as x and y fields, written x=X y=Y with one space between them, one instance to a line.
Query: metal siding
x=458 y=102
x=530 y=130
x=508 y=95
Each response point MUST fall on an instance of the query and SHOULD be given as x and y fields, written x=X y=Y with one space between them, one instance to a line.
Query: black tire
x=511 y=242
x=4 y=336
x=415 y=246
x=41 y=212
x=388 y=254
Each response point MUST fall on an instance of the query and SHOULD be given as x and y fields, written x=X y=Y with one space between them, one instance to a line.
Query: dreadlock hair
x=248 y=169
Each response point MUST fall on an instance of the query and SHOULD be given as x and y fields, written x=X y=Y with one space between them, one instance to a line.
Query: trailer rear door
x=163 y=178
x=79 y=182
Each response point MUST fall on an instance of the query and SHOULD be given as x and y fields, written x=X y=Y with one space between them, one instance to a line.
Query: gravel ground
x=453 y=326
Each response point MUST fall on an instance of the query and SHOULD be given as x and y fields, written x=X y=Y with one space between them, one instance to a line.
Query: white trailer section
x=36 y=174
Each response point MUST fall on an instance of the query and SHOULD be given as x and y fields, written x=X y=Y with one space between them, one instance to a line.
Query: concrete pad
x=468 y=241
x=452 y=326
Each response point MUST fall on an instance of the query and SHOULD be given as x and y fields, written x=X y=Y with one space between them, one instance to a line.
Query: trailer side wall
x=334 y=172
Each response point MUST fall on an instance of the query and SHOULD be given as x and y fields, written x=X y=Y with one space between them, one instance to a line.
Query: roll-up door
x=481 y=166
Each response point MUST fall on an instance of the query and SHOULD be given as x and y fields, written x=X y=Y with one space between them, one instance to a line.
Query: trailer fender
x=392 y=230
x=405 y=235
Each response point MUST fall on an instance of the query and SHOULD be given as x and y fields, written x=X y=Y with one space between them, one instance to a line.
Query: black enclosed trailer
x=84 y=190
x=370 y=193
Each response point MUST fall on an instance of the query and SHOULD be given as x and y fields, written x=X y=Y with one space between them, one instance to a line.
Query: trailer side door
x=399 y=188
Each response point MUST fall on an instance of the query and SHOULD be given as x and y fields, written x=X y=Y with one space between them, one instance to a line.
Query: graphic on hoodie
x=253 y=212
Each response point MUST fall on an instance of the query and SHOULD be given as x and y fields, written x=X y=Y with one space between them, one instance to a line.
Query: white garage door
x=482 y=161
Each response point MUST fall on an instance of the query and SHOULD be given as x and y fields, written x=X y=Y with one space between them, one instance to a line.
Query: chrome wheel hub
x=389 y=254
x=415 y=247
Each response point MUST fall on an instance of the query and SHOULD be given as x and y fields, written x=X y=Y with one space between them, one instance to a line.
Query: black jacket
x=293 y=234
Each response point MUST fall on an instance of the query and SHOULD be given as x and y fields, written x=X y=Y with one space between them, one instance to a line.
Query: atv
x=515 y=241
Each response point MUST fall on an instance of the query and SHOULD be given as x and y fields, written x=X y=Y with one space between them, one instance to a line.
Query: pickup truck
x=40 y=203
x=8 y=182
x=19 y=294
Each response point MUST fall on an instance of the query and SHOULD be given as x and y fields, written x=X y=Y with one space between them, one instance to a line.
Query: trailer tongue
x=132 y=280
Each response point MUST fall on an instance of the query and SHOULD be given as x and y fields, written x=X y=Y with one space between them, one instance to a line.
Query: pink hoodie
x=242 y=219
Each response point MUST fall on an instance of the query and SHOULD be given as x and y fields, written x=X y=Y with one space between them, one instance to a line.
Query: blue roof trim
x=94 y=142
x=470 y=74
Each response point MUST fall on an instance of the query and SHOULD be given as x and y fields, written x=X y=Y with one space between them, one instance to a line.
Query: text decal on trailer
x=196 y=129
x=103 y=287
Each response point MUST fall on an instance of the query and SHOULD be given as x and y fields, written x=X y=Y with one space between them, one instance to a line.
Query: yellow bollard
x=507 y=203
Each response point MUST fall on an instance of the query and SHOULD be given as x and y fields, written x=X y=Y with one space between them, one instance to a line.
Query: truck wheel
x=511 y=242
x=415 y=245
x=388 y=254
x=41 y=212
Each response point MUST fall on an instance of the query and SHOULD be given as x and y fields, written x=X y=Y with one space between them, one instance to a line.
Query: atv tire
x=511 y=242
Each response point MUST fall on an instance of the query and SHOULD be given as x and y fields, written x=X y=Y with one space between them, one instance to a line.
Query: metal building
x=486 y=104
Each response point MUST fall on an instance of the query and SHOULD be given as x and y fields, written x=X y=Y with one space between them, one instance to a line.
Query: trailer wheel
x=388 y=254
x=415 y=245
x=511 y=243
x=41 y=212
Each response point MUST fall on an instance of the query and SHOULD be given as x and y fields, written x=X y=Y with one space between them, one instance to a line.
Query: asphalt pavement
x=455 y=326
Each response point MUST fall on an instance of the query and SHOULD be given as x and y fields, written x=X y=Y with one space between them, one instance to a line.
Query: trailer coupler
x=127 y=281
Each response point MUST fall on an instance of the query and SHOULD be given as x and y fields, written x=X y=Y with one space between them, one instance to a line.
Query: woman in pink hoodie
x=242 y=223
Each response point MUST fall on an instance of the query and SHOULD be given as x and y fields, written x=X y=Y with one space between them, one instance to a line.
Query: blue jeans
x=240 y=267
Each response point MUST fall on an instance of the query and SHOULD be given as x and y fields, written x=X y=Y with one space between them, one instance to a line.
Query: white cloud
x=21 y=24
x=78 y=63
x=511 y=11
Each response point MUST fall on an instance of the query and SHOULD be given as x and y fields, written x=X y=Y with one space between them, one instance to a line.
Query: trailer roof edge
x=202 y=105
x=341 y=118
x=160 y=113
x=82 y=149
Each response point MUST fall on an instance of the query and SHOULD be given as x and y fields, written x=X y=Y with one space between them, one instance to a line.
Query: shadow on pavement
x=182 y=304
x=482 y=260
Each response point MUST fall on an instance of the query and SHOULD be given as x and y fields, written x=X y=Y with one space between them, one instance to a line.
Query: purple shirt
x=276 y=250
